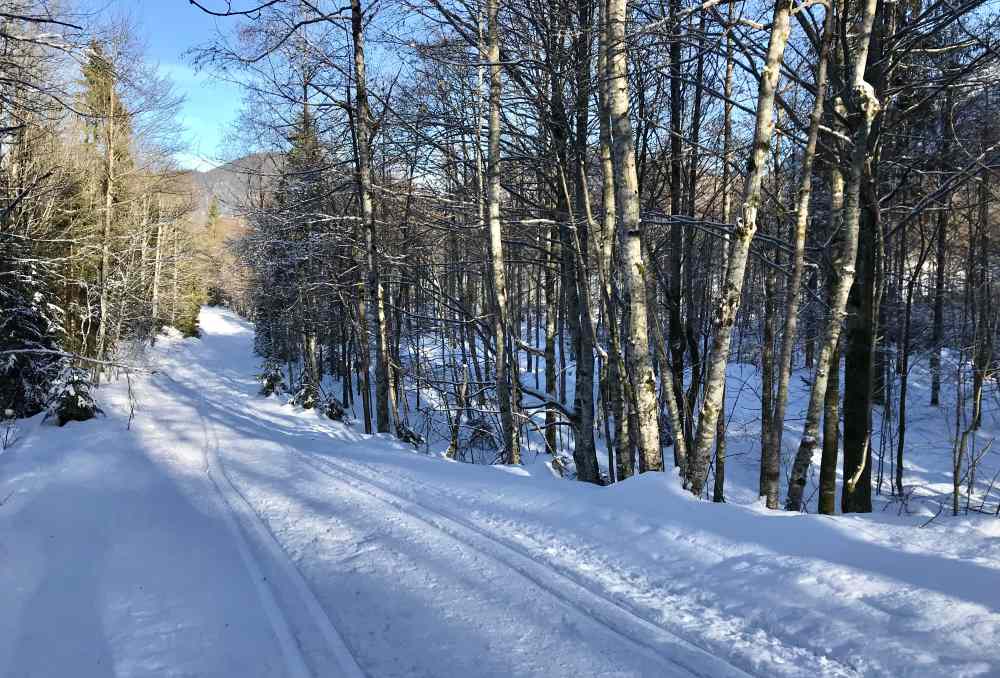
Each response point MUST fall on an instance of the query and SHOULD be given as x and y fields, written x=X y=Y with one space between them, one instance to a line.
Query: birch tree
x=626 y=193
x=864 y=107
x=739 y=250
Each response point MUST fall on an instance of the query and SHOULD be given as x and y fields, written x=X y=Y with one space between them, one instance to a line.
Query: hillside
x=231 y=183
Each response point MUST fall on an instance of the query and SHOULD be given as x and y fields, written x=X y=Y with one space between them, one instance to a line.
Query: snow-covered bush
x=272 y=379
x=70 y=398
x=333 y=408
x=29 y=327
x=408 y=435
x=481 y=434
x=305 y=396
x=478 y=441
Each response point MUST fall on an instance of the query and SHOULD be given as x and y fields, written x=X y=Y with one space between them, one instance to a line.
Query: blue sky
x=169 y=28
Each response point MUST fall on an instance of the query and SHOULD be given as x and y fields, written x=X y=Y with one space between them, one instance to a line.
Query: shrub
x=70 y=398
x=333 y=409
x=305 y=396
x=272 y=379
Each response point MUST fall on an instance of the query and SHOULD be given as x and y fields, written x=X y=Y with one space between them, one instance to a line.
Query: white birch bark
x=739 y=250
x=865 y=107
x=511 y=443
x=772 y=452
x=627 y=190
x=376 y=291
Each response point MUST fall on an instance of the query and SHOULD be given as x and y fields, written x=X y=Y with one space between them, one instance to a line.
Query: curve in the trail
x=334 y=659
x=625 y=623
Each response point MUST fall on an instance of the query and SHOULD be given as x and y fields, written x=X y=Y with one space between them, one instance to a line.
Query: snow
x=225 y=534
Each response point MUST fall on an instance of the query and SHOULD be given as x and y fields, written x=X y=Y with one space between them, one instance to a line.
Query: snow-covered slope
x=225 y=534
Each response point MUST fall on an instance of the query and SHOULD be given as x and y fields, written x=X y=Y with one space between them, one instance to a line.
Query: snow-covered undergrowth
x=122 y=552
x=433 y=372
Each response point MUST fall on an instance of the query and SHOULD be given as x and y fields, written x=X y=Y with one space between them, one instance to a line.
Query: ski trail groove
x=830 y=667
x=239 y=511
x=601 y=609
x=292 y=655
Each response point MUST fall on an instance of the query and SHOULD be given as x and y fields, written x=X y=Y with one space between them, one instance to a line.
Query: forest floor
x=223 y=534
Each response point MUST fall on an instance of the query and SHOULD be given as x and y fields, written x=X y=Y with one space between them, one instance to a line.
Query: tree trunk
x=904 y=372
x=627 y=193
x=865 y=107
x=109 y=188
x=831 y=437
x=676 y=363
x=618 y=385
x=771 y=464
x=157 y=268
x=511 y=443
x=739 y=250
x=985 y=320
x=551 y=304
x=719 y=488
x=941 y=258
x=375 y=290
x=767 y=373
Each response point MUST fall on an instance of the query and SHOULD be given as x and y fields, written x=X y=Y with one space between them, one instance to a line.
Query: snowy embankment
x=229 y=535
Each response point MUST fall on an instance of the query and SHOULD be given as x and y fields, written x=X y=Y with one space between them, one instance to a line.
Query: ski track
x=304 y=642
x=539 y=548
x=628 y=625
x=575 y=591
x=620 y=613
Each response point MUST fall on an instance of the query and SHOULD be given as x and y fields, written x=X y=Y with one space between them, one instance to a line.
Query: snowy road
x=225 y=534
x=414 y=591
x=205 y=542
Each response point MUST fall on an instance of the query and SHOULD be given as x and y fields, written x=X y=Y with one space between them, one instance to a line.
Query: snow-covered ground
x=224 y=534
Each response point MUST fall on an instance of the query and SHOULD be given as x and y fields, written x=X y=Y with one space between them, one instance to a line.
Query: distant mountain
x=235 y=182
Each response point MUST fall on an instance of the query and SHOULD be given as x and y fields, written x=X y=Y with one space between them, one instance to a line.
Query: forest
x=516 y=225
x=499 y=338
x=95 y=217
x=555 y=224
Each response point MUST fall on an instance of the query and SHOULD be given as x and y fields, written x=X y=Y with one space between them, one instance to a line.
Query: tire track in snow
x=238 y=511
x=610 y=614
